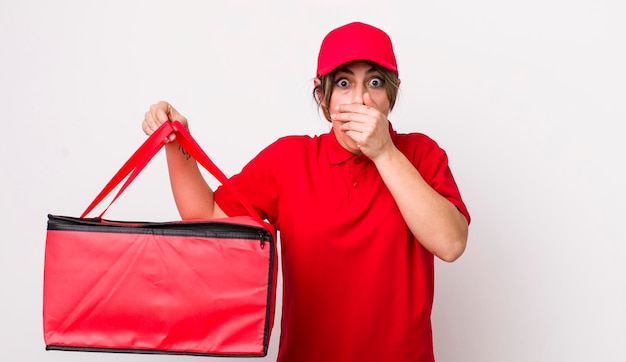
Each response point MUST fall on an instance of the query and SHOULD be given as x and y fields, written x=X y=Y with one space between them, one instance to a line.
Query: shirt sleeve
x=432 y=163
x=256 y=183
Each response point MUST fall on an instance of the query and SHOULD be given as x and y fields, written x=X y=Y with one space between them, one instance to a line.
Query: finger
x=344 y=115
x=169 y=113
x=153 y=121
x=351 y=127
x=146 y=125
x=353 y=108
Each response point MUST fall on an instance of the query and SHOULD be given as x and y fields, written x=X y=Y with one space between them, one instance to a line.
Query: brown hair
x=323 y=91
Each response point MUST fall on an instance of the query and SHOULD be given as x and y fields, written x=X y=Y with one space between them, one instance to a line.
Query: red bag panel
x=118 y=290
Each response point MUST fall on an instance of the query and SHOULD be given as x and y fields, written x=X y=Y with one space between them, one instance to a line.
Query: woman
x=361 y=211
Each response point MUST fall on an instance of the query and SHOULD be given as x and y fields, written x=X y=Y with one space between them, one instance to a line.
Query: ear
x=318 y=92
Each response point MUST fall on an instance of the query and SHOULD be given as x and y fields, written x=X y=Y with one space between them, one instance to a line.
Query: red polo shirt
x=357 y=286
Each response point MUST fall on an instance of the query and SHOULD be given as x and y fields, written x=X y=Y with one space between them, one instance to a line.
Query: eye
x=376 y=82
x=342 y=83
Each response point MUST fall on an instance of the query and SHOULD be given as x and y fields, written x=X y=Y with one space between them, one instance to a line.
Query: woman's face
x=352 y=82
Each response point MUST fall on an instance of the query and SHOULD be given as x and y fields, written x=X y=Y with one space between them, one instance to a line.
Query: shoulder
x=416 y=137
x=418 y=144
x=294 y=140
x=288 y=145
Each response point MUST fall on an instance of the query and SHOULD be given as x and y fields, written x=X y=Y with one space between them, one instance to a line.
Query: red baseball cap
x=355 y=41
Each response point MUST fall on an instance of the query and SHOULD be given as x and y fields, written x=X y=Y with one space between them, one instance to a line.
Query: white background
x=528 y=98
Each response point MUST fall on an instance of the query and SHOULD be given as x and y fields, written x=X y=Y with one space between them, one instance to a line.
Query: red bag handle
x=151 y=147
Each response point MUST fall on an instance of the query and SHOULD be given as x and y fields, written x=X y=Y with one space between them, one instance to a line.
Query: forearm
x=432 y=219
x=193 y=196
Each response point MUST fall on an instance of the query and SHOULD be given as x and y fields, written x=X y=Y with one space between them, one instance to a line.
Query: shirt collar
x=337 y=154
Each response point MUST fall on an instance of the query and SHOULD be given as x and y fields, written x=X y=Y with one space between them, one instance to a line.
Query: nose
x=357 y=94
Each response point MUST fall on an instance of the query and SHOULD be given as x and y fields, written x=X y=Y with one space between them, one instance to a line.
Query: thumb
x=173 y=115
x=165 y=112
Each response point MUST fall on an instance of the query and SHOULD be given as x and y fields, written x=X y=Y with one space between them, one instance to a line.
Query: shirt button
x=357 y=160
x=355 y=184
